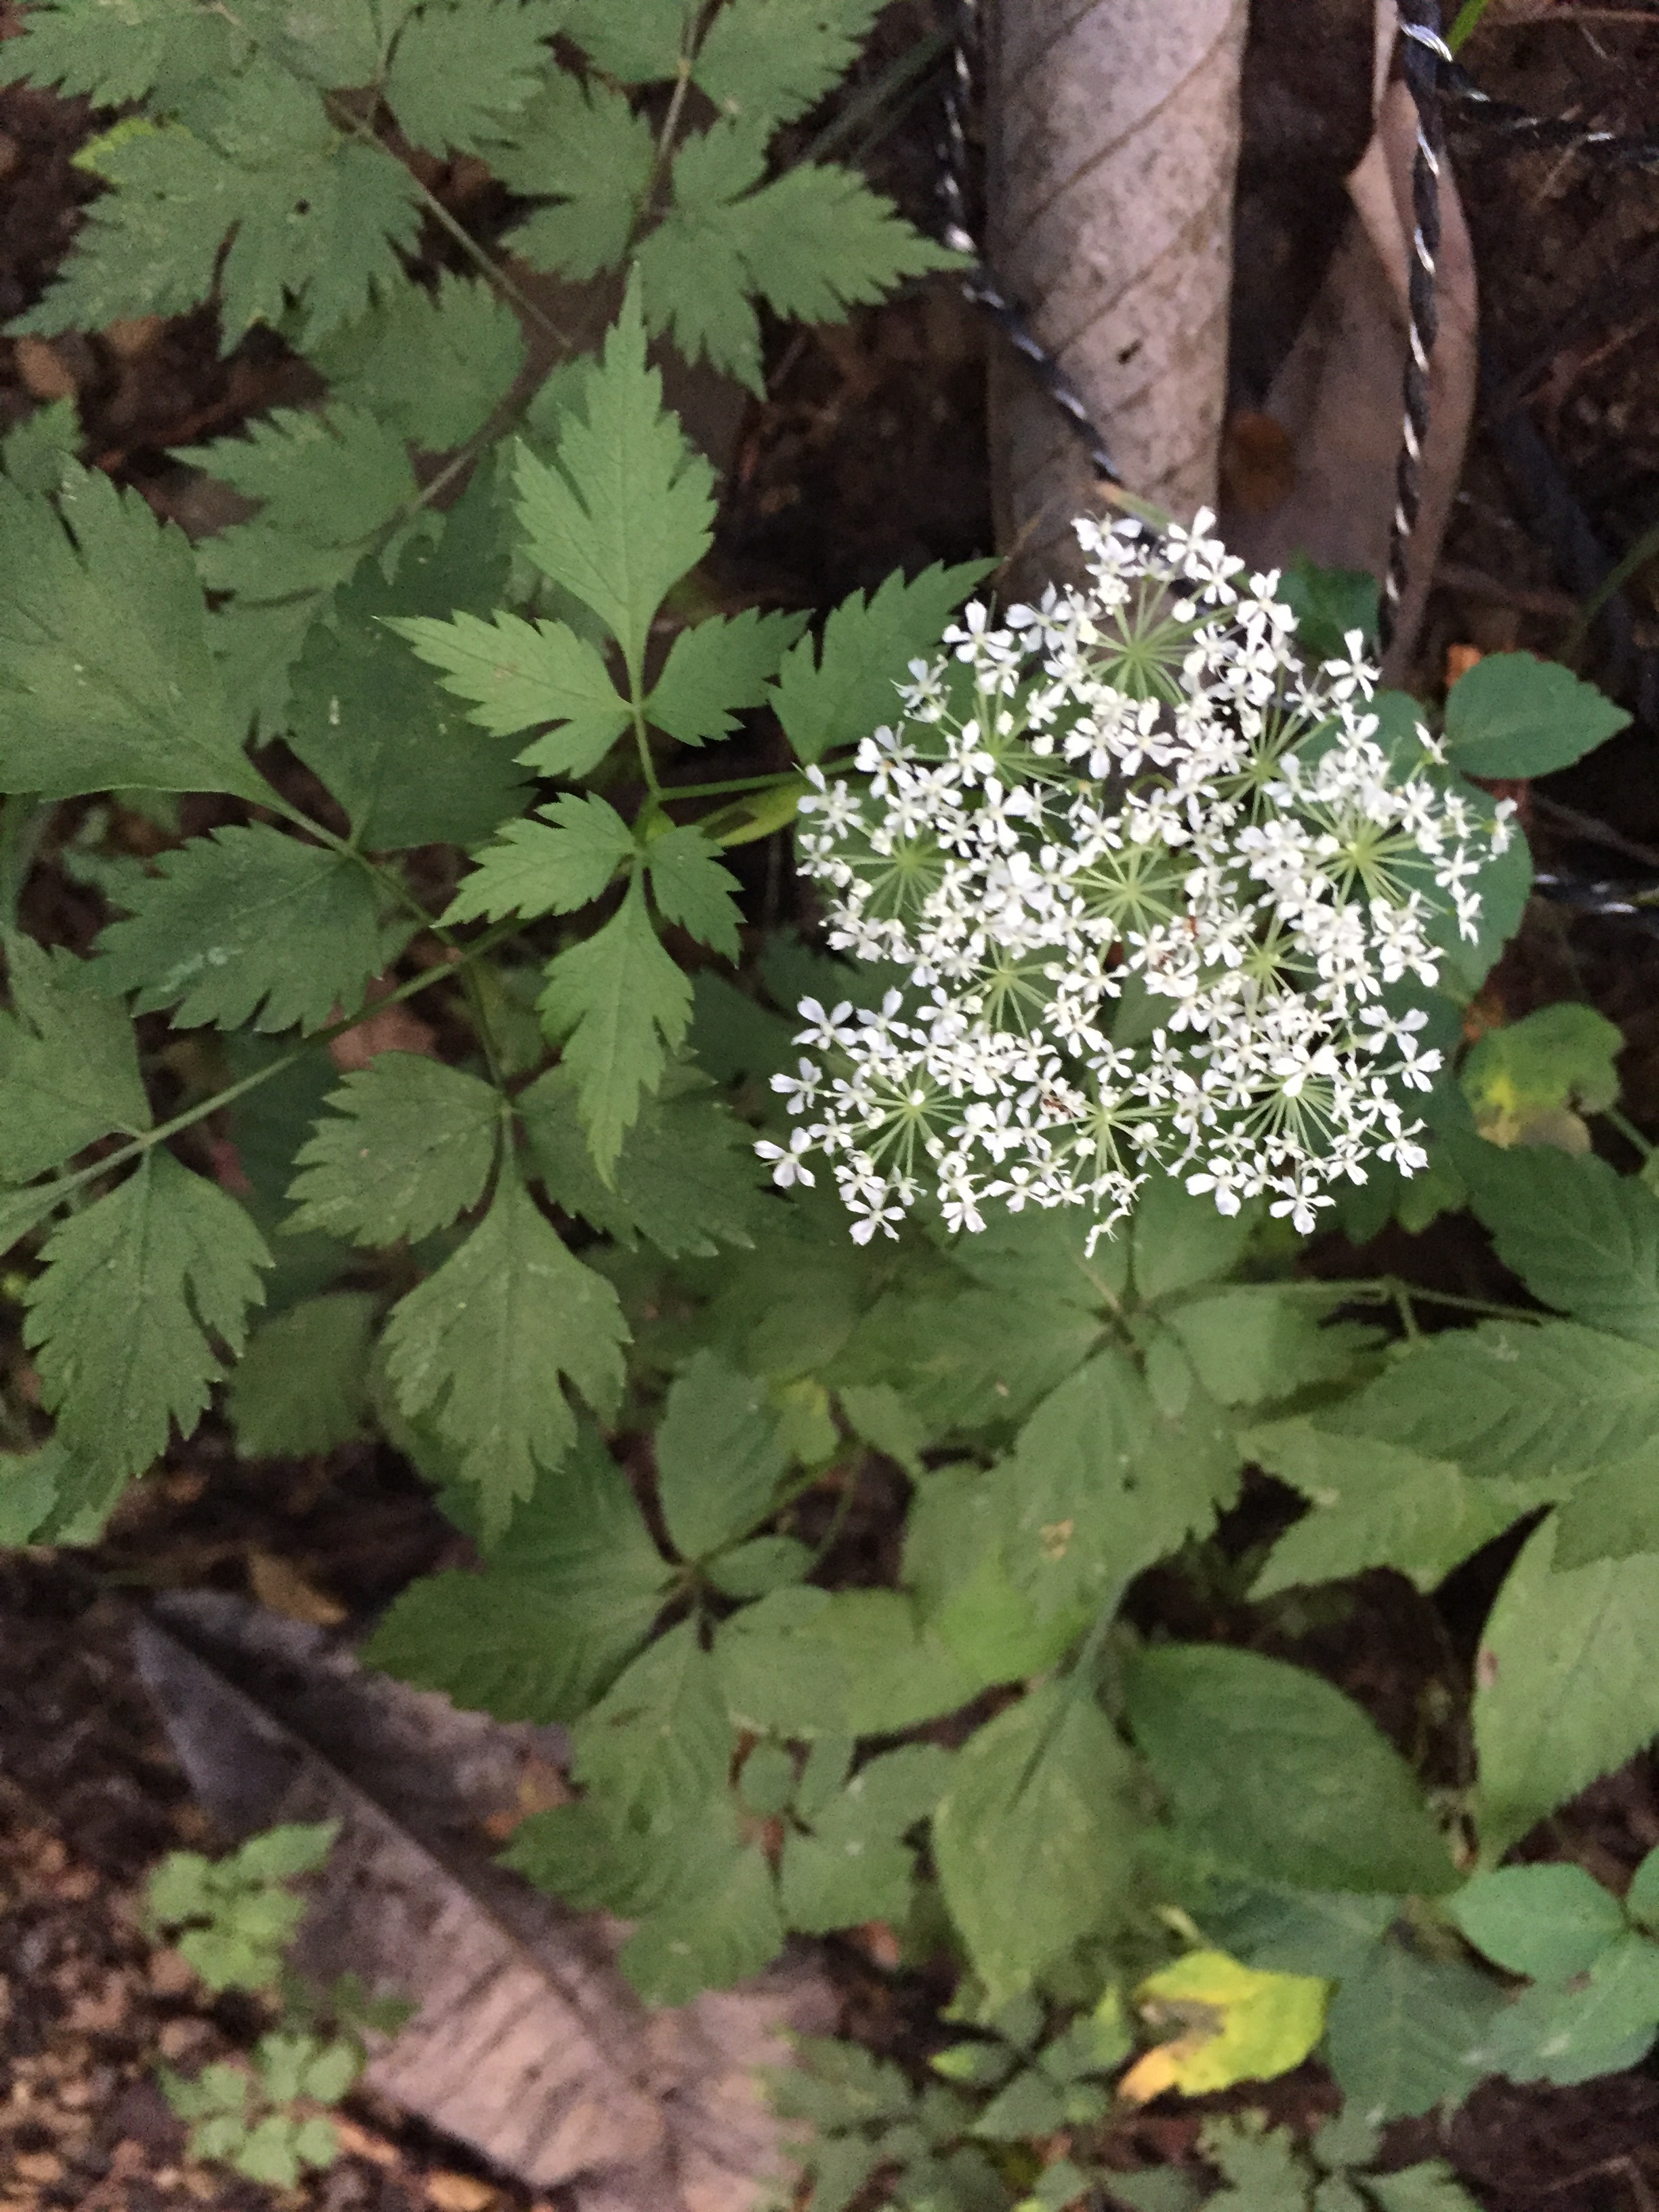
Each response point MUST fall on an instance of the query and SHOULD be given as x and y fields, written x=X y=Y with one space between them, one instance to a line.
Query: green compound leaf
x=852 y=1866
x=564 y=1603
x=461 y=67
x=107 y=679
x=835 y=690
x=246 y=926
x=629 y=506
x=120 y=1315
x=435 y=365
x=1100 y=1484
x=719 y=1460
x=302 y=1384
x=622 y=1006
x=1548 y=1923
x=520 y=675
x=717 y=668
x=82 y=46
x=1279 y=1774
x=69 y=1064
x=584 y=145
x=686 y=1179
x=1034 y=1839
x=408 y=1148
x=483 y=1346
x=1589 y=1401
x=1613 y=1514
x=402 y=762
x=1522 y=1080
x=1511 y=715
x=812 y=244
x=1580 y=1236
x=692 y=887
x=553 y=865
x=326 y=483
x=764 y=62
x=1565 y=1683
x=1376 y=1505
x=316 y=216
x=657 y=1745
x=808 y=1663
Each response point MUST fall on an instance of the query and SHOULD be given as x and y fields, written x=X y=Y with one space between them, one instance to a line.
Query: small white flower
x=1149 y=807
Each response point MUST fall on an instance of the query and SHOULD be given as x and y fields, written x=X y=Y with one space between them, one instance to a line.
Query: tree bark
x=1113 y=145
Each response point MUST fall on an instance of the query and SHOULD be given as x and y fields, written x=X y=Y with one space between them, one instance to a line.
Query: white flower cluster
x=1145 y=881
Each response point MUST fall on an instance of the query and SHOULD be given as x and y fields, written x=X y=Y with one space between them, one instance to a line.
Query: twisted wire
x=961 y=231
x=1528 y=132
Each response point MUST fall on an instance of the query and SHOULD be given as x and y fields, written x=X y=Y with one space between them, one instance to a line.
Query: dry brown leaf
x=1339 y=395
x=393 y=1029
x=42 y=370
x=459 y=2192
x=527 y=2044
x=277 y=1583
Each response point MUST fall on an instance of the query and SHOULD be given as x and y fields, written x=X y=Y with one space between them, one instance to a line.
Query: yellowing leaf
x=1237 y=2025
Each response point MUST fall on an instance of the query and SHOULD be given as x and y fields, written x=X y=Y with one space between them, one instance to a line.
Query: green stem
x=671 y=791
x=1386 y=1289
x=1644 y=550
x=1628 y=1130
x=1466 y=23
x=203 y=1107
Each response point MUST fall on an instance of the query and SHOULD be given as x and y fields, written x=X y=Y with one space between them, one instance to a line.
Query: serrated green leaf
x=1548 y=1923
x=460 y=69
x=692 y=887
x=317 y=217
x=302 y=1384
x=107 y=679
x=69 y=1064
x=813 y=243
x=765 y=62
x=1612 y=1513
x=852 y=1866
x=1034 y=1839
x=633 y=44
x=954 y=1563
x=564 y=1603
x=1254 y=1341
x=402 y=764
x=722 y=1926
x=408 y=1147
x=715 y=669
x=1405 y=2033
x=435 y=365
x=805 y=1661
x=837 y=690
x=622 y=1006
x=520 y=675
x=1177 y=1241
x=39 y=453
x=1100 y=1484
x=246 y=926
x=1580 y=1236
x=327 y=483
x=627 y=509
x=1589 y=1401
x=583 y=142
x=658 y=1743
x=1376 y=1505
x=1564 y=1685
x=83 y=46
x=120 y=1315
x=1513 y=715
x=719 y=1460
x=1521 y=1080
x=1277 y=1773
x=553 y=865
x=686 y=1179
x=482 y=1347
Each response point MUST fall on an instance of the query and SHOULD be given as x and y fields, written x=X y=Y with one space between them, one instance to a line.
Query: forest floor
x=867 y=455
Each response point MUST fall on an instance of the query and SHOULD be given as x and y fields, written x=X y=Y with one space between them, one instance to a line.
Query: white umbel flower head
x=1146 y=884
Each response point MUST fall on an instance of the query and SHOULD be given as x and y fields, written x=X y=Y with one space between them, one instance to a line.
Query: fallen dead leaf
x=42 y=369
x=277 y=1583
x=394 y=1029
x=459 y=2192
